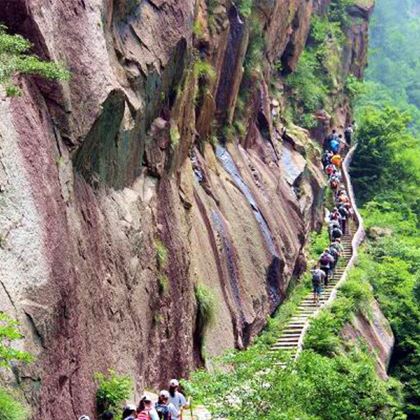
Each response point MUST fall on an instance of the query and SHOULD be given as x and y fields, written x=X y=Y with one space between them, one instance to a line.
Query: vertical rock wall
x=102 y=173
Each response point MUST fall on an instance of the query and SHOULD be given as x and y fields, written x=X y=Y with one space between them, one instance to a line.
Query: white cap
x=130 y=407
x=84 y=418
x=174 y=382
x=164 y=393
x=146 y=397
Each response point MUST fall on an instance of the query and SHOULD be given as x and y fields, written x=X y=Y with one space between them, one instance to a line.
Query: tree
x=15 y=58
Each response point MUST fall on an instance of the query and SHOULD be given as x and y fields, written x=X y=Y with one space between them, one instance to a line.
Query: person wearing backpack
x=165 y=409
x=177 y=398
x=130 y=412
x=348 y=133
x=337 y=160
x=328 y=140
x=326 y=158
x=145 y=410
x=344 y=215
x=333 y=251
x=325 y=262
x=336 y=233
x=337 y=245
x=334 y=224
x=329 y=169
x=318 y=277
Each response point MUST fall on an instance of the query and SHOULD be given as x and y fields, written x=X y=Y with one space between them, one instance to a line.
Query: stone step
x=284 y=346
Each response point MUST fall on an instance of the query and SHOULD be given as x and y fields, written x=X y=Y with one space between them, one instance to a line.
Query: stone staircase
x=292 y=335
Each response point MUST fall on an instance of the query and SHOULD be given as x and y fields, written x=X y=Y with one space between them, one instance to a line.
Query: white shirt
x=178 y=401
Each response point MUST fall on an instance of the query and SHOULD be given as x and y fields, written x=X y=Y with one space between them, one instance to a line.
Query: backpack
x=334 y=145
x=144 y=415
x=325 y=259
x=163 y=411
x=343 y=211
x=316 y=278
x=336 y=233
x=333 y=251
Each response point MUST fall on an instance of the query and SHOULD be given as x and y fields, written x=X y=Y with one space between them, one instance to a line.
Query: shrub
x=245 y=7
x=203 y=69
x=112 y=391
x=161 y=254
x=8 y=333
x=15 y=59
x=206 y=306
x=163 y=284
x=11 y=408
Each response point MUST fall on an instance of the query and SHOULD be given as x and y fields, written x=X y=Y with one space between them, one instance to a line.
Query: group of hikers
x=338 y=218
x=169 y=406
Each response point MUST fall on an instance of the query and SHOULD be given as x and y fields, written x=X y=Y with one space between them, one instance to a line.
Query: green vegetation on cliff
x=10 y=406
x=15 y=58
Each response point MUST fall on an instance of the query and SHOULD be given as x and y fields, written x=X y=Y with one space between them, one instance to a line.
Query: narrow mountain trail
x=292 y=337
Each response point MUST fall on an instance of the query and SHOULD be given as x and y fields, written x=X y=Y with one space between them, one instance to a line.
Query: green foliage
x=113 y=390
x=386 y=176
x=354 y=87
x=319 y=241
x=316 y=82
x=203 y=69
x=161 y=254
x=245 y=7
x=256 y=48
x=388 y=157
x=309 y=92
x=206 y=306
x=15 y=58
x=11 y=408
x=8 y=333
x=174 y=135
x=164 y=285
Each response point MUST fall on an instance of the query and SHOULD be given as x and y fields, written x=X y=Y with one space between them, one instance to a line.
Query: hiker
x=176 y=398
x=329 y=169
x=326 y=158
x=165 y=409
x=334 y=145
x=335 y=215
x=325 y=261
x=318 y=277
x=335 y=253
x=337 y=245
x=348 y=133
x=344 y=215
x=336 y=232
x=334 y=182
x=343 y=144
x=145 y=410
x=130 y=412
x=107 y=416
x=337 y=160
x=328 y=139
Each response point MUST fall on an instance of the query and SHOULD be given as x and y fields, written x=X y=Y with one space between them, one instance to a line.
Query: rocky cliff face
x=125 y=187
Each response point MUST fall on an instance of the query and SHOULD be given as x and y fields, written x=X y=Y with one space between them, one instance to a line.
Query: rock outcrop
x=376 y=332
x=121 y=190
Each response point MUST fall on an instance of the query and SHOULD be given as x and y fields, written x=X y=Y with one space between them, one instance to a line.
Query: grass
x=164 y=285
x=11 y=408
x=161 y=254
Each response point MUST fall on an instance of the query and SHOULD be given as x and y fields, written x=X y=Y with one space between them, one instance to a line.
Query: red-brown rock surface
x=97 y=171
